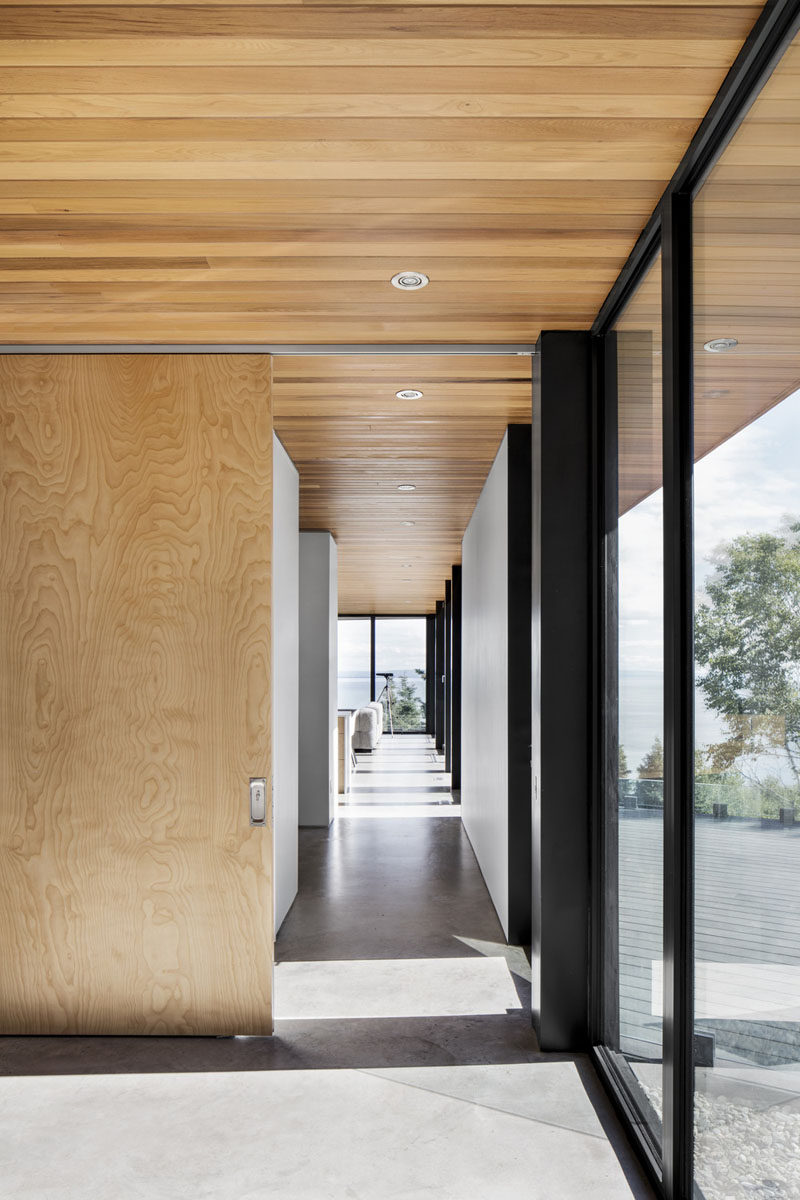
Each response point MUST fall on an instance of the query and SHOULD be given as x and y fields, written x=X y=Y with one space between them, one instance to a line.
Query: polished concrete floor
x=403 y=1065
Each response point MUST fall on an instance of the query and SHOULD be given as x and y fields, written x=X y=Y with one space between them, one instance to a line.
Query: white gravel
x=743 y=1153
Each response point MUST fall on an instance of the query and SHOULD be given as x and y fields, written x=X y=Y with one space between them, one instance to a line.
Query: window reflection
x=640 y=683
x=747 y=647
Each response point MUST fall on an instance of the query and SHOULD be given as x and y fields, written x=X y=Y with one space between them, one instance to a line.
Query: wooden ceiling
x=747 y=265
x=354 y=443
x=255 y=172
x=746 y=286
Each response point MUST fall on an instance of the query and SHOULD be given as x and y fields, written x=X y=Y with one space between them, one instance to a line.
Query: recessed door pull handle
x=258 y=801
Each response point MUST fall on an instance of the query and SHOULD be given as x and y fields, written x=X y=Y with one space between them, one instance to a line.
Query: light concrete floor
x=403 y=1065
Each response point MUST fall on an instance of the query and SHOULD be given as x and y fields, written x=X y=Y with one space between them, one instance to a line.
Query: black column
x=678 y=698
x=439 y=678
x=562 y=677
x=430 y=675
x=455 y=724
x=519 y=685
x=448 y=674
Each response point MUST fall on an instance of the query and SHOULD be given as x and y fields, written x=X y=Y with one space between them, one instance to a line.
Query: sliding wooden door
x=135 y=542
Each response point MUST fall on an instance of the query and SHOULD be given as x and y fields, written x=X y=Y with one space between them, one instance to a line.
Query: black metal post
x=448 y=674
x=372 y=658
x=678 y=699
x=439 y=680
x=519 y=600
x=430 y=675
x=605 y=776
x=562 y=676
x=455 y=723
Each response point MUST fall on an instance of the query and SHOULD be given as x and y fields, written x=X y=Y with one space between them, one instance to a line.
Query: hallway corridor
x=403 y=1065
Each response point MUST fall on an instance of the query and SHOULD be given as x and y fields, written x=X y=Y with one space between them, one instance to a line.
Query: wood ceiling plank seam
x=544 y=21
x=569 y=51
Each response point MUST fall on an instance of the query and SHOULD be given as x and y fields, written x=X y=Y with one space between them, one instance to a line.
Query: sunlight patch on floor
x=418 y=987
x=383 y=812
x=514 y=955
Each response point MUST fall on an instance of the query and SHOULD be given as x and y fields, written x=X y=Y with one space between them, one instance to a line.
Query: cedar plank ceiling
x=256 y=172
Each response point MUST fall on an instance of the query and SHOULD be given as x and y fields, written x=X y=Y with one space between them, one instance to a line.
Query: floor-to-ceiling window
x=385 y=658
x=697 y=955
x=355 y=659
x=400 y=672
x=746 y=232
x=636 y=838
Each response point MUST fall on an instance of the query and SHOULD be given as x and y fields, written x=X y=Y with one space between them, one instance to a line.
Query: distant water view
x=354 y=686
x=642 y=714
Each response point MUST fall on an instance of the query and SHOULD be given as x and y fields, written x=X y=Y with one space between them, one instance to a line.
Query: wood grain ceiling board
x=354 y=442
x=747 y=265
x=747 y=287
x=253 y=171
x=215 y=173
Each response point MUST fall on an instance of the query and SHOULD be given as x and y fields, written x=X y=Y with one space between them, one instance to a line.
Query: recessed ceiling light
x=720 y=345
x=715 y=393
x=410 y=281
x=408 y=522
x=406 y=487
x=409 y=394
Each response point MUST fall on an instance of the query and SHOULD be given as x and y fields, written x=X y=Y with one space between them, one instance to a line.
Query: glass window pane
x=354 y=664
x=636 y=1028
x=747 y=650
x=400 y=646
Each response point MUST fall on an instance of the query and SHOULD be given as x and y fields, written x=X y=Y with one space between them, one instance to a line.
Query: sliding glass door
x=697 y=933
x=746 y=232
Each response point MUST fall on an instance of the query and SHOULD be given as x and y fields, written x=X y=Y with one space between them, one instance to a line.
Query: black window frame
x=406 y=616
x=669 y=231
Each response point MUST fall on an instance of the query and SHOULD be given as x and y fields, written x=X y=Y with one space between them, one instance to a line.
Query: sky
x=749 y=484
x=399 y=645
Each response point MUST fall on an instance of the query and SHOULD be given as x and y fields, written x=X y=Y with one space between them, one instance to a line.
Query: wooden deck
x=747 y=938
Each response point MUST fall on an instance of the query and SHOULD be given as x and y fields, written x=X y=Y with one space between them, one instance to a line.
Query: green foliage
x=624 y=769
x=408 y=711
x=747 y=644
x=764 y=798
x=652 y=765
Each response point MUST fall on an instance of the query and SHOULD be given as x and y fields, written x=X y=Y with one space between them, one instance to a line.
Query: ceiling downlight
x=410 y=281
x=721 y=345
x=409 y=394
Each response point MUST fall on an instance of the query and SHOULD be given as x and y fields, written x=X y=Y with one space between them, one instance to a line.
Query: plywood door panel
x=135 y=898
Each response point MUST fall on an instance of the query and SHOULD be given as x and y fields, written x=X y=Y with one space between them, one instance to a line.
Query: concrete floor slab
x=391 y=1099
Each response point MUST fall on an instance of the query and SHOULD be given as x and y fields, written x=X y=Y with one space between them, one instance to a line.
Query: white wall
x=318 y=628
x=484 y=683
x=285 y=674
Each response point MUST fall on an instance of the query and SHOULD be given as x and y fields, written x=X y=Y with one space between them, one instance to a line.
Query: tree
x=652 y=765
x=408 y=712
x=747 y=645
x=624 y=769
